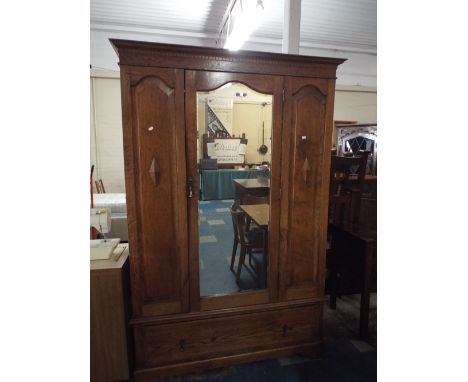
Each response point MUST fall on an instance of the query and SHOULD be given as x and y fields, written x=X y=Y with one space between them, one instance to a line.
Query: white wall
x=360 y=69
x=93 y=130
x=353 y=104
x=249 y=118
x=106 y=127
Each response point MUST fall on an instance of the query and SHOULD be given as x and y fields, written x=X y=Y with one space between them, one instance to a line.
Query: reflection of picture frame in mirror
x=232 y=156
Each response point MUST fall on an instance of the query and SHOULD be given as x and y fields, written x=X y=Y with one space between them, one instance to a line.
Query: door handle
x=182 y=345
x=190 y=187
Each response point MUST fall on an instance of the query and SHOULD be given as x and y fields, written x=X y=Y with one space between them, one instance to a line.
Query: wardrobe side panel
x=157 y=205
x=306 y=124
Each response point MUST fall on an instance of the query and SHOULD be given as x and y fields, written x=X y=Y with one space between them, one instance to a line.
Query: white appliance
x=101 y=219
x=102 y=249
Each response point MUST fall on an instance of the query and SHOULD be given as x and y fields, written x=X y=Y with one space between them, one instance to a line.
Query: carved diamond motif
x=154 y=171
x=306 y=169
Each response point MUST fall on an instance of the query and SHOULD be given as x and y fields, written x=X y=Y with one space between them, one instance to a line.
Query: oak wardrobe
x=177 y=327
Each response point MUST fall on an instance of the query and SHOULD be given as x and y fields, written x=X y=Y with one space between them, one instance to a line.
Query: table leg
x=365 y=295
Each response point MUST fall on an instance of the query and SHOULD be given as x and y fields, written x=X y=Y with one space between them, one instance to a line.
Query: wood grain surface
x=177 y=331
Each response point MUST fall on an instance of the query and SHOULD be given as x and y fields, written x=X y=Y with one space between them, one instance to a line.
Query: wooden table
x=356 y=249
x=259 y=213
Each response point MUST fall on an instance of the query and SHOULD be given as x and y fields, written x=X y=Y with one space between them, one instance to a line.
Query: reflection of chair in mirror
x=345 y=193
x=250 y=241
x=239 y=193
x=236 y=235
x=252 y=226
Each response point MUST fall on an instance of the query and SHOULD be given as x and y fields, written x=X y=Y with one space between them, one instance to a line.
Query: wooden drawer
x=166 y=344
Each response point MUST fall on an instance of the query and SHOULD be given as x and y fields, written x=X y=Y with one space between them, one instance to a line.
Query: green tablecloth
x=217 y=184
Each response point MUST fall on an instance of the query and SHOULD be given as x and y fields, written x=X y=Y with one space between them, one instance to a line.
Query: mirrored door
x=233 y=170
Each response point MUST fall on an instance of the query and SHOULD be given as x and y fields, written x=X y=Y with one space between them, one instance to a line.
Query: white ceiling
x=334 y=28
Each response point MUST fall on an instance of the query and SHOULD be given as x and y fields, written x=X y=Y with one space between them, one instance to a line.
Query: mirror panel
x=234 y=151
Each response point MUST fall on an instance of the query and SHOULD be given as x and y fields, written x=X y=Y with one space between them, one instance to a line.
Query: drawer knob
x=182 y=345
x=285 y=330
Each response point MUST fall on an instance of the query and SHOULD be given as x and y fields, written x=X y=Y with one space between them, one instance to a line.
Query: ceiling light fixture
x=244 y=17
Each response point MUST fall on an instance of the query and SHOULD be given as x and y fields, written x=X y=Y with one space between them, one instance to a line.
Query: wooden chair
x=353 y=267
x=345 y=193
x=350 y=241
x=250 y=241
x=100 y=186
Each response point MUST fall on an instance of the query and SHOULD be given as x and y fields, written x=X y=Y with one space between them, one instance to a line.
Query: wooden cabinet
x=175 y=329
x=308 y=108
x=154 y=146
x=110 y=311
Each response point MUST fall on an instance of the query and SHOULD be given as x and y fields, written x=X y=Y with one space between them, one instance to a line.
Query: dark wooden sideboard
x=176 y=330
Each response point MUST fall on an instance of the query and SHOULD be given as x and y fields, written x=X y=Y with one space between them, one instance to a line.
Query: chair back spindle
x=345 y=193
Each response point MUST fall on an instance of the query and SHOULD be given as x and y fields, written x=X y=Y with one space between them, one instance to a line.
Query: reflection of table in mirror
x=218 y=184
x=259 y=213
x=259 y=186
